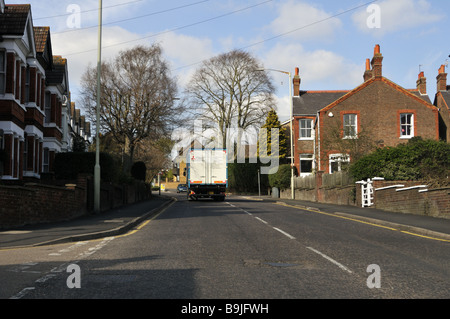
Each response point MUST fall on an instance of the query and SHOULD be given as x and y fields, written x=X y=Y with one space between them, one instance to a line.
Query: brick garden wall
x=416 y=200
x=35 y=203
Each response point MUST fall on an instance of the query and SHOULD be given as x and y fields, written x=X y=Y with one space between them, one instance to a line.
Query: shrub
x=139 y=171
x=417 y=159
x=281 y=178
x=243 y=178
x=69 y=165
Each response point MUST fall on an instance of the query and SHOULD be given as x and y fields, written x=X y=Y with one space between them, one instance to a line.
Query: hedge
x=69 y=165
x=417 y=159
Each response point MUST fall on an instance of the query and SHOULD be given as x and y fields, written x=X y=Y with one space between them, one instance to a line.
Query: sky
x=328 y=41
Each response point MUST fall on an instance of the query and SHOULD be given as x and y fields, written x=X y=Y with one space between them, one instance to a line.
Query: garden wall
x=34 y=203
x=418 y=200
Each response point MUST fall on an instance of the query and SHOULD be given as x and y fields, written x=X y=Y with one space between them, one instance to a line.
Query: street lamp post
x=97 y=142
x=291 y=106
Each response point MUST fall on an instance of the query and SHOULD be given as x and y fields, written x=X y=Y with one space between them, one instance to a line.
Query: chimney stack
x=368 y=73
x=377 y=62
x=296 y=81
x=422 y=84
x=442 y=79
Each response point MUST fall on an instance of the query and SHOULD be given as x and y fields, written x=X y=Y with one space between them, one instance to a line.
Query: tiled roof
x=310 y=102
x=14 y=19
x=40 y=37
x=56 y=75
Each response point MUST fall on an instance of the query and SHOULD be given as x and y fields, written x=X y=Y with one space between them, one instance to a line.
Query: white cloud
x=185 y=52
x=397 y=15
x=319 y=69
x=295 y=15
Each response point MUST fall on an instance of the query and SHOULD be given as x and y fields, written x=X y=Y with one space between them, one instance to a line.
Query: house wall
x=378 y=106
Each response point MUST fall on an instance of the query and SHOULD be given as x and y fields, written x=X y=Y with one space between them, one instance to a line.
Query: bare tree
x=137 y=99
x=228 y=91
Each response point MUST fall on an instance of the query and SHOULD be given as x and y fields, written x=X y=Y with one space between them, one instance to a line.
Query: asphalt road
x=237 y=249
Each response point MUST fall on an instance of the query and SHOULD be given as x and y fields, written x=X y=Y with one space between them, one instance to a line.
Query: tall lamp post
x=97 y=142
x=291 y=128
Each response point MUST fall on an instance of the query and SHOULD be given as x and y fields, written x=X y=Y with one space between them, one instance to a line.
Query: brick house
x=35 y=107
x=378 y=110
x=442 y=102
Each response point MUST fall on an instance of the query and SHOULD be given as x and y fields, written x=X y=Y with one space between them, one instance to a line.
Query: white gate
x=367 y=191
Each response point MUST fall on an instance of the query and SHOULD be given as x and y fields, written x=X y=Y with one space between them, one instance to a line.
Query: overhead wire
x=133 y=18
x=86 y=11
x=174 y=29
x=288 y=32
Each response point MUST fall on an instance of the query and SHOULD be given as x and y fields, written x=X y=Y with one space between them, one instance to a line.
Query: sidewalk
x=109 y=223
x=428 y=226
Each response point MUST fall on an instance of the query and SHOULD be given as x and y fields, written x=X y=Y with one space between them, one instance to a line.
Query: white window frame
x=348 y=125
x=303 y=127
x=339 y=159
x=46 y=160
x=306 y=157
x=3 y=72
x=408 y=125
x=47 y=107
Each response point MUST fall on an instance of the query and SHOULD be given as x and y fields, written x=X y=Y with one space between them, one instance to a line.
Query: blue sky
x=328 y=40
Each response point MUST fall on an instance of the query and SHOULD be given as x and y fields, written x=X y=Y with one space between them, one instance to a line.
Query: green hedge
x=417 y=159
x=69 y=165
x=243 y=178
x=281 y=178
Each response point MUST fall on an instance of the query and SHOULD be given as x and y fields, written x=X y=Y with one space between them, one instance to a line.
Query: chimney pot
x=442 y=79
x=296 y=83
x=422 y=84
x=377 y=65
x=377 y=49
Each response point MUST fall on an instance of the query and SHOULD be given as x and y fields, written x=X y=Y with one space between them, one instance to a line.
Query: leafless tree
x=137 y=97
x=228 y=91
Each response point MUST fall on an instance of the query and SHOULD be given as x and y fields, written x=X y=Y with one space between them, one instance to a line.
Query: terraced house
x=35 y=107
x=331 y=128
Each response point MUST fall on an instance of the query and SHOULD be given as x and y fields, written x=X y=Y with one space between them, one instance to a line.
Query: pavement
x=109 y=223
x=123 y=219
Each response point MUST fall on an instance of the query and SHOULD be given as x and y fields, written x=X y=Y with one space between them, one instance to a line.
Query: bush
x=69 y=165
x=417 y=159
x=139 y=171
x=243 y=178
x=282 y=178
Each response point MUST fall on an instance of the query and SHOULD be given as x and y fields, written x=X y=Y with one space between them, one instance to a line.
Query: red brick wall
x=414 y=200
x=378 y=105
x=37 y=203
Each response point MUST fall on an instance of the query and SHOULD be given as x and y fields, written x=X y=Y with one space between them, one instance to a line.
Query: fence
x=337 y=188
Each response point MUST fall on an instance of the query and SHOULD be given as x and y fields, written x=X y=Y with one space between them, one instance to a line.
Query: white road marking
x=331 y=260
x=284 y=233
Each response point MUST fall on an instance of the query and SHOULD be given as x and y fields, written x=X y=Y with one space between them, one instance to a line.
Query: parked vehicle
x=181 y=188
x=207 y=173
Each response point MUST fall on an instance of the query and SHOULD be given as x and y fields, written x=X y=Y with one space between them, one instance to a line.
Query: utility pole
x=97 y=140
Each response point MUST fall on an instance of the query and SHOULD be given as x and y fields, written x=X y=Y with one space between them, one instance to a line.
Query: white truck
x=207 y=174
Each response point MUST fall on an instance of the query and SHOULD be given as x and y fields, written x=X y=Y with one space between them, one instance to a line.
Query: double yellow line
x=340 y=215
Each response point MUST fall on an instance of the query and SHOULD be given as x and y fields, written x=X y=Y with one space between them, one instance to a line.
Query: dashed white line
x=284 y=233
x=331 y=260
x=261 y=220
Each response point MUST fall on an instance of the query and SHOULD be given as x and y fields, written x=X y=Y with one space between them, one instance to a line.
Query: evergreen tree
x=265 y=137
